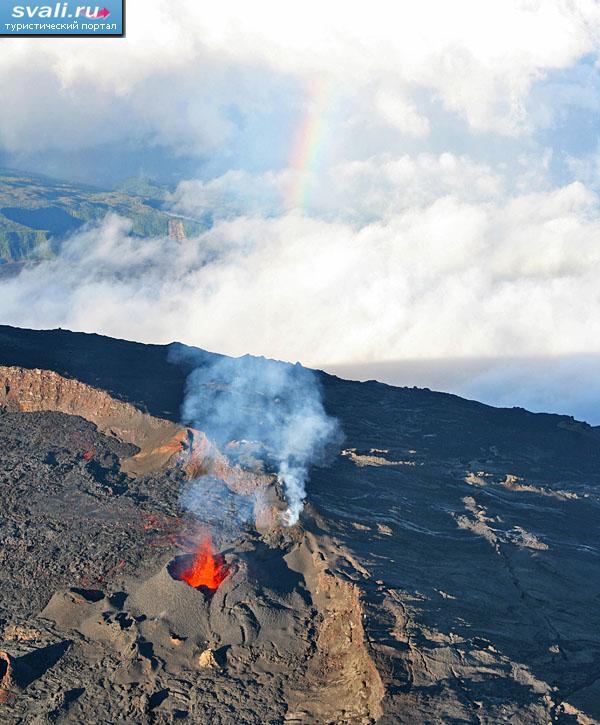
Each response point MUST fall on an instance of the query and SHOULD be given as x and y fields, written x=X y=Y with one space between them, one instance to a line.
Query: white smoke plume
x=217 y=506
x=273 y=407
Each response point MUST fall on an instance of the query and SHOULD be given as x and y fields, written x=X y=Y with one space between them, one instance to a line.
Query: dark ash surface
x=471 y=532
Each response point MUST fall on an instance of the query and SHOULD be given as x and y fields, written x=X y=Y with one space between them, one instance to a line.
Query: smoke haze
x=270 y=410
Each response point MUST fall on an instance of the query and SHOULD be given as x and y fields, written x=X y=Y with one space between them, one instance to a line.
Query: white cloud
x=401 y=242
x=354 y=191
x=401 y=113
x=440 y=277
x=182 y=68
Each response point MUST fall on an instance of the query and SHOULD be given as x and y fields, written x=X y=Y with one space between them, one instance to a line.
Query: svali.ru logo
x=60 y=10
x=59 y=18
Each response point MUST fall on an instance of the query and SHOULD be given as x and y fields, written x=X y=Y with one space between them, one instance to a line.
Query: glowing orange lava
x=206 y=569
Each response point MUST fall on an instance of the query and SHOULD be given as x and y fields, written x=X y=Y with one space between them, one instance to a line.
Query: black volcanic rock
x=452 y=544
x=139 y=374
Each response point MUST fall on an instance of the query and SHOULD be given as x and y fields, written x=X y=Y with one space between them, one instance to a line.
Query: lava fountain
x=202 y=569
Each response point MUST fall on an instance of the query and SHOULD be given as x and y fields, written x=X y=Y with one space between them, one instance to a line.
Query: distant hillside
x=36 y=212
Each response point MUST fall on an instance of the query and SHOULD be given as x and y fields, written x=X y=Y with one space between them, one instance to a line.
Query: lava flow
x=206 y=569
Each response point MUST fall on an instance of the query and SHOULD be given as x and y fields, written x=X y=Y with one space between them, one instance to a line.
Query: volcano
x=446 y=566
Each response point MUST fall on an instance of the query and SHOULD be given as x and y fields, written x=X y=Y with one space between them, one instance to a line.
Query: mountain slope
x=452 y=545
x=37 y=212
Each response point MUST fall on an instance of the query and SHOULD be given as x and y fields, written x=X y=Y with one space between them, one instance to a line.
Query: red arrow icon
x=104 y=13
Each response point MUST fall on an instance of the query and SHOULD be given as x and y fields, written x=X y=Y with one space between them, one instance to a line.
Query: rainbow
x=309 y=142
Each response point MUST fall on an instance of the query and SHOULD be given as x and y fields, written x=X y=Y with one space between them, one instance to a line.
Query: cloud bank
x=385 y=182
x=422 y=274
x=196 y=77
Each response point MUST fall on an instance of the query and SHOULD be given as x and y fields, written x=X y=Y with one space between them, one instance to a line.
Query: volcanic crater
x=445 y=568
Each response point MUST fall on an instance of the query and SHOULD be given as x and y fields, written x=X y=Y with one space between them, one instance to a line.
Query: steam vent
x=443 y=566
